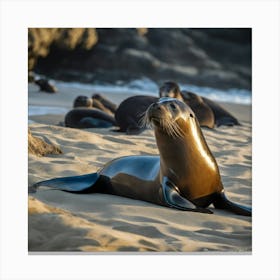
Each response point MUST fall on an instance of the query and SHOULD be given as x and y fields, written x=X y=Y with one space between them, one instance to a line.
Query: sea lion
x=208 y=112
x=98 y=105
x=109 y=105
x=184 y=176
x=130 y=112
x=202 y=111
x=45 y=85
x=222 y=116
x=170 y=89
x=88 y=118
x=82 y=101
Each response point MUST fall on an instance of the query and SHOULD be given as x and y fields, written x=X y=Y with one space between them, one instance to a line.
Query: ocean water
x=145 y=86
x=34 y=110
x=149 y=87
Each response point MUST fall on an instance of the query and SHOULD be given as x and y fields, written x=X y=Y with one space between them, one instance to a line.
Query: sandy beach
x=60 y=221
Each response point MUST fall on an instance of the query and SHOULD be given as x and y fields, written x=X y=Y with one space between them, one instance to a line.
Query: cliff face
x=41 y=41
x=219 y=57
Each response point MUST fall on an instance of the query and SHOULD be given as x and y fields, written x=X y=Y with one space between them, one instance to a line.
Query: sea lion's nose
x=156 y=106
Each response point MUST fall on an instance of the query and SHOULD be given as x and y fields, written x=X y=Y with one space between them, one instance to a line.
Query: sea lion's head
x=170 y=89
x=190 y=97
x=96 y=96
x=169 y=115
x=82 y=101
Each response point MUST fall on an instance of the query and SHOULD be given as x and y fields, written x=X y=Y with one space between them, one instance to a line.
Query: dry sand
x=60 y=221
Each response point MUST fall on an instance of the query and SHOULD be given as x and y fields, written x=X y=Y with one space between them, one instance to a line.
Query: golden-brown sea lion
x=222 y=116
x=201 y=109
x=184 y=176
x=99 y=105
x=109 y=105
x=208 y=112
x=170 y=89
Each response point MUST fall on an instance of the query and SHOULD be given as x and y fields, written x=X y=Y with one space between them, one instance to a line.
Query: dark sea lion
x=82 y=101
x=222 y=116
x=184 y=176
x=105 y=102
x=88 y=118
x=130 y=112
x=45 y=85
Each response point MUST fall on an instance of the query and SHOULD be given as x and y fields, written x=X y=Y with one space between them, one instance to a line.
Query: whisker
x=179 y=130
x=168 y=125
x=141 y=114
x=144 y=120
x=173 y=129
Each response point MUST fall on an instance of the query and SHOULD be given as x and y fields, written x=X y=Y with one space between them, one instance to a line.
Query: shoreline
x=63 y=101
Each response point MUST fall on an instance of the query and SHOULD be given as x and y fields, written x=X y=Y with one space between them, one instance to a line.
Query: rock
x=45 y=85
x=31 y=77
x=38 y=147
x=40 y=41
x=214 y=57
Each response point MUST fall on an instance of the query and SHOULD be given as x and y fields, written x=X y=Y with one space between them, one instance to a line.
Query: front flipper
x=221 y=202
x=71 y=184
x=134 y=127
x=228 y=121
x=175 y=200
x=134 y=130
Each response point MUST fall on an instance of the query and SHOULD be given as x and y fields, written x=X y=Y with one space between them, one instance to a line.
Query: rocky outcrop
x=42 y=40
x=38 y=147
x=216 y=57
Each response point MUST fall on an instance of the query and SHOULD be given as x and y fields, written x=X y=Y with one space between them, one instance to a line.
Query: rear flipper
x=173 y=198
x=228 y=121
x=81 y=183
x=221 y=202
x=90 y=122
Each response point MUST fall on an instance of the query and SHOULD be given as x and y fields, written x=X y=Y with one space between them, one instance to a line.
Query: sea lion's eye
x=172 y=106
x=191 y=115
